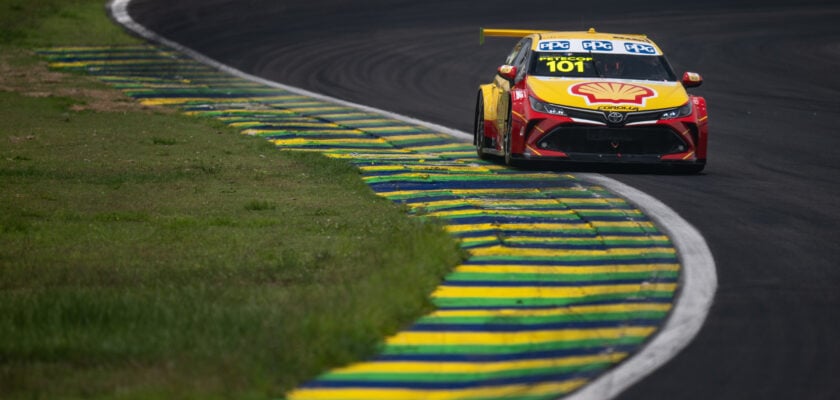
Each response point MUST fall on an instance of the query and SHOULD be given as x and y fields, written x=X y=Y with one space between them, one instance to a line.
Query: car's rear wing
x=518 y=33
x=484 y=32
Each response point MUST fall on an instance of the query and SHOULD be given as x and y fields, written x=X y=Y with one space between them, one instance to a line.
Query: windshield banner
x=598 y=46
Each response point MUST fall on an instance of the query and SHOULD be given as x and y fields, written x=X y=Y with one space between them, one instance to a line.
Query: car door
x=519 y=59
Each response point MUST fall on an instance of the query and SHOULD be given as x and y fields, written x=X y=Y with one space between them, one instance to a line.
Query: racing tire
x=509 y=160
x=478 y=129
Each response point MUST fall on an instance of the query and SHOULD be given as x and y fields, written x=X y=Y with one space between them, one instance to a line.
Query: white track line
x=698 y=280
x=696 y=293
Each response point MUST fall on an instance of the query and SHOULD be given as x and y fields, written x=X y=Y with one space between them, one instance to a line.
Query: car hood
x=608 y=94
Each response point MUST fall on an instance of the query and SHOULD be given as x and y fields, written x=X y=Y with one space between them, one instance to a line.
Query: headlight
x=683 y=111
x=547 y=108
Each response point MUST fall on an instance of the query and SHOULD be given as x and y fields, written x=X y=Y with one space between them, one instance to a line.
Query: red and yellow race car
x=590 y=97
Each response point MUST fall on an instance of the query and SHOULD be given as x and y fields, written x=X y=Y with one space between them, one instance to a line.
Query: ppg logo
x=639 y=48
x=554 y=45
x=597 y=45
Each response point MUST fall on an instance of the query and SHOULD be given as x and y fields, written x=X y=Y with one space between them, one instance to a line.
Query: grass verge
x=145 y=254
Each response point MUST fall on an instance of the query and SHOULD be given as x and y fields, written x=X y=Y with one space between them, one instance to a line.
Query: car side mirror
x=508 y=72
x=691 y=79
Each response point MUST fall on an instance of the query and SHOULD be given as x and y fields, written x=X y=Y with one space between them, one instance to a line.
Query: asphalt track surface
x=768 y=203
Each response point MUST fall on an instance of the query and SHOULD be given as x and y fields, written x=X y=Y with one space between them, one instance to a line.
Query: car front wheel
x=509 y=160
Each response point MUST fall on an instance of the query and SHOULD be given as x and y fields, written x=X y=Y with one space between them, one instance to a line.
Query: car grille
x=597 y=116
x=642 y=116
x=642 y=140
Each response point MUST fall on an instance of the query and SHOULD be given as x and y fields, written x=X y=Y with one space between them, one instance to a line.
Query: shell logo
x=612 y=93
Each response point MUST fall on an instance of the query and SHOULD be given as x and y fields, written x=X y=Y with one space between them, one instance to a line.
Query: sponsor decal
x=554 y=45
x=618 y=108
x=612 y=93
x=597 y=45
x=562 y=64
x=639 y=48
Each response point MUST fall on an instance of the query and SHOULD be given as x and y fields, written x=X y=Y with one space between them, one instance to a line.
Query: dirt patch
x=38 y=81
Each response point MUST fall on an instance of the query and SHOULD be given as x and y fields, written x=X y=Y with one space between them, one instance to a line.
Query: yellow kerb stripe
x=573 y=240
x=514 y=338
x=410 y=137
x=583 y=270
x=303 y=141
x=573 y=310
x=499 y=212
x=510 y=391
x=469 y=192
x=548 y=226
x=430 y=367
x=183 y=100
x=539 y=252
x=545 y=292
x=426 y=167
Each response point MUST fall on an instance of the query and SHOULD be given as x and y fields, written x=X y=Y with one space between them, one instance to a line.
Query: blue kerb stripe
x=452 y=385
x=521 y=327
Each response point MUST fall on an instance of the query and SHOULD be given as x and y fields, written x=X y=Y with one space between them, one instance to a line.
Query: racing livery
x=590 y=97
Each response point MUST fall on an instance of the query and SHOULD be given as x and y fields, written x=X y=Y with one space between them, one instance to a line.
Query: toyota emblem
x=615 y=117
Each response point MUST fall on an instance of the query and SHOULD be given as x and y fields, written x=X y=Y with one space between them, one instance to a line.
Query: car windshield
x=601 y=65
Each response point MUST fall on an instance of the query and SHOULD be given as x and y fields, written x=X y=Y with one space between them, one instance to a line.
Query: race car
x=590 y=97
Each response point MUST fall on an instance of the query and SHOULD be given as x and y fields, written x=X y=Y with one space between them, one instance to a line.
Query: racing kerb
x=564 y=279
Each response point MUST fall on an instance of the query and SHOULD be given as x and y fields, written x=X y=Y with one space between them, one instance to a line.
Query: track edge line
x=694 y=299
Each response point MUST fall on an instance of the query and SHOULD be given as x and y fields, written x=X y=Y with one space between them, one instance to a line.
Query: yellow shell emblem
x=612 y=92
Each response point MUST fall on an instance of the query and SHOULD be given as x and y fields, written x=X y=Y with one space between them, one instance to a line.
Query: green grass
x=58 y=23
x=145 y=254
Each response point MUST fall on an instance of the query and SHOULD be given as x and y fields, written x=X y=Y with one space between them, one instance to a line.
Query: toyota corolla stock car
x=588 y=97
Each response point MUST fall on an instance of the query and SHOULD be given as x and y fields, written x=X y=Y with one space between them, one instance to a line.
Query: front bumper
x=655 y=142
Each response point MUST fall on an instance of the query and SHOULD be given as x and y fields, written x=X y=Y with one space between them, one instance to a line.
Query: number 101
x=565 y=66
